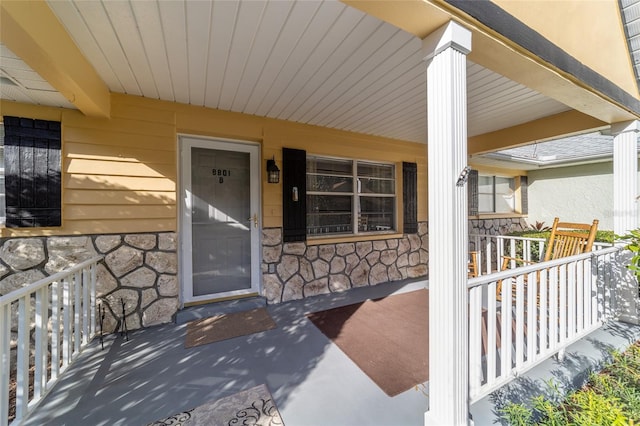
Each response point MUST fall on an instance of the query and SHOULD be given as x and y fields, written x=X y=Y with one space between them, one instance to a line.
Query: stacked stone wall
x=502 y=226
x=137 y=269
x=293 y=271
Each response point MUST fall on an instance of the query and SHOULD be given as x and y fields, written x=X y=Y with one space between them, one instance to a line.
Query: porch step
x=193 y=313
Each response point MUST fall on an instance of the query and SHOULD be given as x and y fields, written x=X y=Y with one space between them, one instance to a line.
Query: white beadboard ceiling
x=315 y=62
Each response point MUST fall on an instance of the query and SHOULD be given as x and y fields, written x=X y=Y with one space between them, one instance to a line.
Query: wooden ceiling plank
x=307 y=45
x=294 y=28
x=95 y=16
x=223 y=25
x=242 y=44
x=126 y=29
x=147 y=16
x=173 y=21
x=269 y=31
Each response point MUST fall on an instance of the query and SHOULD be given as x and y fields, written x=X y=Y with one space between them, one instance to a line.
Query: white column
x=625 y=211
x=445 y=52
x=625 y=176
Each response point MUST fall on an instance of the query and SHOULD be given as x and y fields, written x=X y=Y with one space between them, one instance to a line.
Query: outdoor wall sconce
x=464 y=175
x=273 y=172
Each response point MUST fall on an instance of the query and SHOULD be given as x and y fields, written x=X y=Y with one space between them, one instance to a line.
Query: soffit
x=321 y=63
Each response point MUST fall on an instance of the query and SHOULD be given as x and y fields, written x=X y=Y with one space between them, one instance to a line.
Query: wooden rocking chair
x=566 y=239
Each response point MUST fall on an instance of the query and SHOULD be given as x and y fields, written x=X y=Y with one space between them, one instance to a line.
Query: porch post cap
x=624 y=127
x=450 y=34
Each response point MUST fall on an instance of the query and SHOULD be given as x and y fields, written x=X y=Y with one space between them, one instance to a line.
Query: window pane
x=485 y=203
x=319 y=183
x=329 y=214
x=375 y=170
x=485 y=184
x=505 y=197
x=376 y=186
x=378 y=213
x=326 y=166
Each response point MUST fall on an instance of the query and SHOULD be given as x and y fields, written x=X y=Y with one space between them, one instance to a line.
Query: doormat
x=227 y=326
x=387 y=338
x=253 y=406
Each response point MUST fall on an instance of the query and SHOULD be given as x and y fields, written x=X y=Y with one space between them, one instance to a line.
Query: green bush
x=611 y=397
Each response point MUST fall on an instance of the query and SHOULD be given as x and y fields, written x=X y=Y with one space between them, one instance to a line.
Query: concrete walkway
x=313 y=383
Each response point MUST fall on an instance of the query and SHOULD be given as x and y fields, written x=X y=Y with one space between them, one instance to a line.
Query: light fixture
x=273 y=172
x=464 y=175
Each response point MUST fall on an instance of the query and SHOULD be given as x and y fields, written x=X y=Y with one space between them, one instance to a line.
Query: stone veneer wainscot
x=293 y=271
x=139 y=269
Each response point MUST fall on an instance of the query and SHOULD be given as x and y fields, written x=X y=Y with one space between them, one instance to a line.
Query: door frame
x=185 y=143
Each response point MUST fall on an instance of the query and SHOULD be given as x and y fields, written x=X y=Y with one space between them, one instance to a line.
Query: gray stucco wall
x=574 y=194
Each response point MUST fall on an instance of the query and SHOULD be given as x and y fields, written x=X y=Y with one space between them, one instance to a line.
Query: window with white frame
x=349 y=196
x=496 y=194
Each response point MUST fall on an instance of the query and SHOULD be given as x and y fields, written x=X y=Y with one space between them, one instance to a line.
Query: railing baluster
x=491 y=332
x=5 y=357
x=571 y=300
x=22 y=372
x=86 y=306
x=580 y=311
x=41 y=340
x=543 y=312
x=92 y=298
x=66 y=323
x=56 y=288
x=77 y=311
x=532 y=295
x=553 y=308
x=475 y=340
x=519 y=320
x=562 y=276
x=506 y=312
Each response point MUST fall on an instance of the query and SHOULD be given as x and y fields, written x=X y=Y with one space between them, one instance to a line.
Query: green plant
x=611 y=397
x=539 y=227
x=517 y=414
x=633 y=245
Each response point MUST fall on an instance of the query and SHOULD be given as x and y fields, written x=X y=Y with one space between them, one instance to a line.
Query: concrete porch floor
x=313 y=383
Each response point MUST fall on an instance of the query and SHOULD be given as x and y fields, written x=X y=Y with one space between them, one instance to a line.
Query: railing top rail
x=509 y=237
x=522 y=270
x=17 y=294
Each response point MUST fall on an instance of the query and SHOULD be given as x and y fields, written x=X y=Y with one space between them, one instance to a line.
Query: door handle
x=254 y=219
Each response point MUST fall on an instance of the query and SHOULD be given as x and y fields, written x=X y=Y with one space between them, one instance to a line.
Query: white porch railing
x=544 y=308
x=491 y=249
x=55 y=318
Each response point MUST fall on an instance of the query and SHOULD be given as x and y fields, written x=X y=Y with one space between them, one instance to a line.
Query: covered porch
x=352 y=81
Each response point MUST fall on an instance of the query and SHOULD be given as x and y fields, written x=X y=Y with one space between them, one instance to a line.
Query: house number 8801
x=221 y=172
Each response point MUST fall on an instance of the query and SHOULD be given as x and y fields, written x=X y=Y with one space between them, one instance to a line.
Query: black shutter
x=524 y=196
x=32 y=172
x=472 y=192
x=410 y=197
x=294 y=179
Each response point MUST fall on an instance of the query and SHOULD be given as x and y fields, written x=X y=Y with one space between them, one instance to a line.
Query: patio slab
x=312 y=381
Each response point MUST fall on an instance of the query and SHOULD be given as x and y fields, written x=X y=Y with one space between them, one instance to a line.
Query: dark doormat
x=227 y=326
x=387 y=338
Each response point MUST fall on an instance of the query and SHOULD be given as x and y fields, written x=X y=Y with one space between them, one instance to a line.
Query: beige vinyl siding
x=121 y=174
x=122 y=170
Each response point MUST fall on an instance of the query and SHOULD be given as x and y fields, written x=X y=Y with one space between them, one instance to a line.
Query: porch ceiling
x=321 y=63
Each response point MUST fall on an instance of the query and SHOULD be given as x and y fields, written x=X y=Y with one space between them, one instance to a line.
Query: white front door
x=220 y=199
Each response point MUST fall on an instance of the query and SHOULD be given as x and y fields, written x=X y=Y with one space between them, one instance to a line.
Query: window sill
x=336 y=239
x=498 y=216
